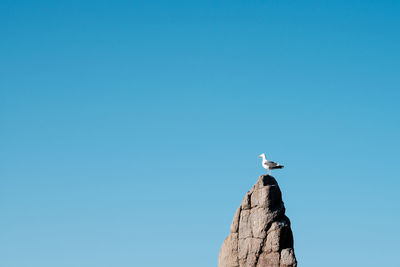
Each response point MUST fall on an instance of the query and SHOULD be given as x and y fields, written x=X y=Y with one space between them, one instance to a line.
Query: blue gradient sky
x=130 y=130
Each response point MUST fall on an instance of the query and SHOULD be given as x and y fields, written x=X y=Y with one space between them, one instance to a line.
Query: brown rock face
x=260 y=232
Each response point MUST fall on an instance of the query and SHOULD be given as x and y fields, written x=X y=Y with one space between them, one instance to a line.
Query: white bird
x=269 y=165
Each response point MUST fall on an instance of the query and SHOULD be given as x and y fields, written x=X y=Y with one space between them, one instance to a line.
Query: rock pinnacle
x=260 y=234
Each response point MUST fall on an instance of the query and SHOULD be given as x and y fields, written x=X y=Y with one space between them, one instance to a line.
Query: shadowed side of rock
x=260 y=234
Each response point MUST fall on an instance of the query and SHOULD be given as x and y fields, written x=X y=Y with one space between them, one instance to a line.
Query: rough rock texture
x=260 y=232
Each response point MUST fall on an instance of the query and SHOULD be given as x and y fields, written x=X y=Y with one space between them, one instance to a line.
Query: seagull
x=269 y=165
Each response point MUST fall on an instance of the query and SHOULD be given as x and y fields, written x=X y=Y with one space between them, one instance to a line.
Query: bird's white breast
x=265 y=165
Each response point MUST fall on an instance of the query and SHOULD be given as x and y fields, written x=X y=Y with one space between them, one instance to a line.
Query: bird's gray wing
x=271 y=164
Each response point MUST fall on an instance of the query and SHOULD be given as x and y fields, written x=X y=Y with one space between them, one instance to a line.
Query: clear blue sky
x=130 y=130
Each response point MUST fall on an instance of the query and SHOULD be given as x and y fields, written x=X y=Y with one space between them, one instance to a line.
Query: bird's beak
x=258 y=156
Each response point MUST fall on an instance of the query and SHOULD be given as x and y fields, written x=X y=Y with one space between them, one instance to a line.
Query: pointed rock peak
x=260 y=232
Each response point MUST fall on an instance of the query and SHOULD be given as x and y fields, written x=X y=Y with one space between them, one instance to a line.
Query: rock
x=269 y=259
x=235 y=222
x=260 y=232
x=287 y=257
x=228 y=256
